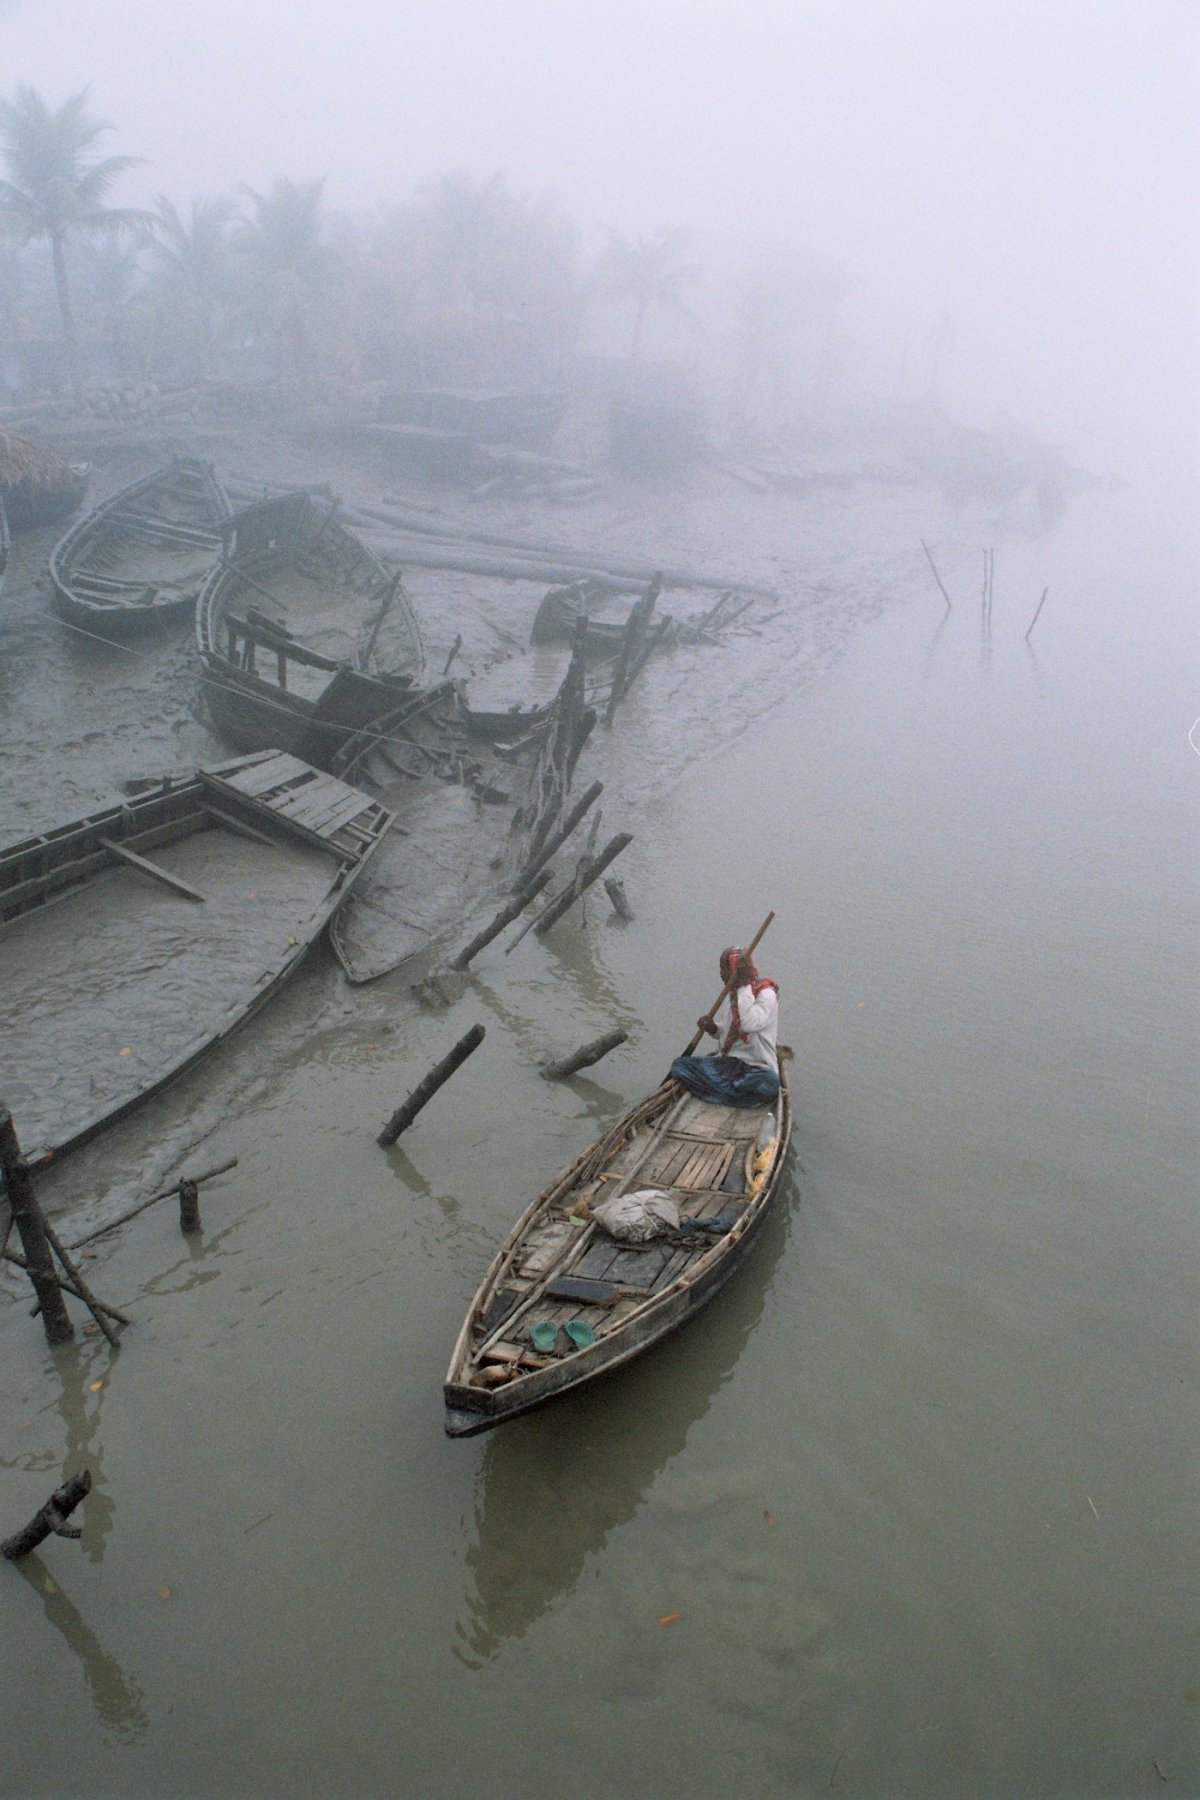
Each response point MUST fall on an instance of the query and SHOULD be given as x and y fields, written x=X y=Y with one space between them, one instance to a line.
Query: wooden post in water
x=614 y=887
x=592 y=871
x=31 y=1224
x=189 y=1207
x=424 y=1091
x=583 y=1057
x=50 y=1518
x=558 y=838
x=504 y=917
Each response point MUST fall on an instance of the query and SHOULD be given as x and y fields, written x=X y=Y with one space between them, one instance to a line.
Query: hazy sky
x=1031 y=166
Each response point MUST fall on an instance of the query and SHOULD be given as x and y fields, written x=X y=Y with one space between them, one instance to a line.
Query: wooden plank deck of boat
x=319 y=806
x=558 y=1266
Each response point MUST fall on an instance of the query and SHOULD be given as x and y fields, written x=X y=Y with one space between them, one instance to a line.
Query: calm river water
x=912 y=1510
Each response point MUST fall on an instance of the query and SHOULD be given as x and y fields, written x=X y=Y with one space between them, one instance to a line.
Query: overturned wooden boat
x=141 y=557
x=563 y=1302
x=137 y=938
x=37 y=486
x=305 y=637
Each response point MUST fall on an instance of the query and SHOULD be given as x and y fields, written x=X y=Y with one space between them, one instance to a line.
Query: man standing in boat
x=745 y=1070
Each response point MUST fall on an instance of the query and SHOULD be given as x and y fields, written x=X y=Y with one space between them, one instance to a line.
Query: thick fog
x=1009 y=188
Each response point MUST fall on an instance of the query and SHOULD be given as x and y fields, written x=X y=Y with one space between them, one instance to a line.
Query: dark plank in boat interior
x=637 y=1268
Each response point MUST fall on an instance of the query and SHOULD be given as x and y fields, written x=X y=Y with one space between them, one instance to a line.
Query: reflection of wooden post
x=404 y=1115
x=51 y=1517
x=27 y=1216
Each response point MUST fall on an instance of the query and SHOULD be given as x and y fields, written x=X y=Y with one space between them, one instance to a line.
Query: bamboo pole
x=124 y=1218
x=711 y=1013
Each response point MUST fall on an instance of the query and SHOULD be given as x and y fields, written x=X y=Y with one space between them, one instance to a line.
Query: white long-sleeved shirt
x=759 y=1019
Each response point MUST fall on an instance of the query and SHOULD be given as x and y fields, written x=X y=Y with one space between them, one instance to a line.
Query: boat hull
x=139 y=560
x=471 y=1408
x=56 y=921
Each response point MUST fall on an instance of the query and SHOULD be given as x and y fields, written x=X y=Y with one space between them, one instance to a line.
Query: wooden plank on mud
x=154 y=870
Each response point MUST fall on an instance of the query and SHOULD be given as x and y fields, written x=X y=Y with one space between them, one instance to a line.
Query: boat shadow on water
x=553 y=1485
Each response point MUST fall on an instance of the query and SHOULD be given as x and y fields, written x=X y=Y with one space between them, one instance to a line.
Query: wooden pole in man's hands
x=711 y=1013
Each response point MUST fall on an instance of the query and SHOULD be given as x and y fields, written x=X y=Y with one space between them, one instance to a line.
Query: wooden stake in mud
x=591 y=871
x=31 y=1224
x=424 y=1091
x=558 y=838
x=79 y=1286
x=583 y=1057
x=189 y=1207
x=614 y=887
x=166 y=1194
x=50 y=1518
x=711 y=1013
x=504 y=917
x=455 y=647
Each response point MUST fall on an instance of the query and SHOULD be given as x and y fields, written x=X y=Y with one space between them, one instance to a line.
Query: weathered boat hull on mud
x=262 y=805
x=140 y=558
x=630 y=1297
x=283 y=553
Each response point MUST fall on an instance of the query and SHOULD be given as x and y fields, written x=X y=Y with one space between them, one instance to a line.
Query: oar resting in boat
x=745 y=1070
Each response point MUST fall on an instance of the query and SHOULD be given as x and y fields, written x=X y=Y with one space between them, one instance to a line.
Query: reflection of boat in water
x=141 y=557
x=564 y=1302
x=137 y=938
x=550 y=1490
x=305 y=636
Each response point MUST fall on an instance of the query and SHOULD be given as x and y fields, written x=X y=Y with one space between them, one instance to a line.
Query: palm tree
x=653 y=273
x=56 y=191
x=190 y=272
x=286 y=266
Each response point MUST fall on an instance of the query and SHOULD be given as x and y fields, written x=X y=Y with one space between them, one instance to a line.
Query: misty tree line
x=464 y=279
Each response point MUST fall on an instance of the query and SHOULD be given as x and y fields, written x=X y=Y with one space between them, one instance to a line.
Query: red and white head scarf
x=729 y=958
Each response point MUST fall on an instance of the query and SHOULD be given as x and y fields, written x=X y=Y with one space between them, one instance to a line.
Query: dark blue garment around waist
x=725 y=1079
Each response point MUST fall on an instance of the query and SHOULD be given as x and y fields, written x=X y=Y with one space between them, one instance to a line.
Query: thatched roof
x=31 y=467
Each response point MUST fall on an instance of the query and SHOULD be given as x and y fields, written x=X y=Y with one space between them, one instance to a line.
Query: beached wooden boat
x=137 y=938
x=559 y=1268
x=140 y=558
x=305 y=637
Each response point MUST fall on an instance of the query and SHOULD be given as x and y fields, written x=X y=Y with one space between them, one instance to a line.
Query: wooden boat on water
x=137 y=938
x=305 y=637
x=141 y=557
x=558 y=1268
